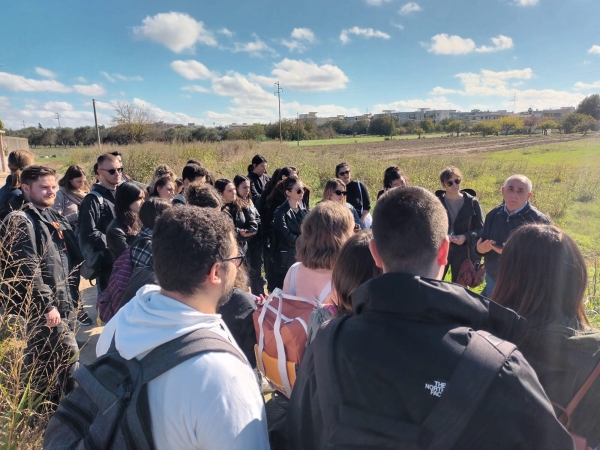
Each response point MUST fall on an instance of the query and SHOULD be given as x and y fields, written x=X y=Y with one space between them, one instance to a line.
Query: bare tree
x=133 y=121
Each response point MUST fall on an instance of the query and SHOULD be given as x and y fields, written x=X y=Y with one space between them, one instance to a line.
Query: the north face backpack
x=281 y=333
x=109 y=300
x=108 y=409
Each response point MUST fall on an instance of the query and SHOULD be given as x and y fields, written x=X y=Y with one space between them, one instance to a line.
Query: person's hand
x=458 y=240
x=246 y=234
x=260 y=299
x=52 y=318
x=485 y=246
x=497 y=249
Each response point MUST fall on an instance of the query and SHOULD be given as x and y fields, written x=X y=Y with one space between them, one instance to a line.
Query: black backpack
x=349 y=427
x=109 y=407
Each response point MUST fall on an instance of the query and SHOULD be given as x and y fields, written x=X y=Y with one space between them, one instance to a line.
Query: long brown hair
x=331 y=186
x=73 y=172
x=543 y=276
x=324 y=231
x=19 y=159
x=354 y=266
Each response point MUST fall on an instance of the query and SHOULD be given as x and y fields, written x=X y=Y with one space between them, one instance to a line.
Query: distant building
x=478 y=116
x=238 y=126
x=556 y=114
x=422 y=113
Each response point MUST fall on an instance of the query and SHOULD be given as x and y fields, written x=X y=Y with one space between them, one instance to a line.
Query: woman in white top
x=324 y=231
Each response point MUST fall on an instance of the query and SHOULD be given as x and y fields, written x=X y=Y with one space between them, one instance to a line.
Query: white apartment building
x=556 y=114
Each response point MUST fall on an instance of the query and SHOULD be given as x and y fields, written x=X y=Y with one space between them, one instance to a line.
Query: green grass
x=357 y=140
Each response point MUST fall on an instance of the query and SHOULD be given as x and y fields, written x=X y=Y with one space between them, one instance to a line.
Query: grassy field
x=566 y=175
x=357 y=140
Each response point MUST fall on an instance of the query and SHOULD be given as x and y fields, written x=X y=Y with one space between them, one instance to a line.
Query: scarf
x=75 y=196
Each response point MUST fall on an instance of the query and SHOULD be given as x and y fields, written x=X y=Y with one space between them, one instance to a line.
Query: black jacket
x=287 y=229
x=468 y=222
x=257 y=185
x=407 y=333
x=243 y=219
x=237 y=315
x=358 y=196
x=563 y=358
x=46 y=248
x=499 y=226
x=94 y=220
x=7 y=193
x=117 y=238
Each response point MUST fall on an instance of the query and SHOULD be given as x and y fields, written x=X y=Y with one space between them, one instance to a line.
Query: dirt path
x=449 y=146
x=87 y=337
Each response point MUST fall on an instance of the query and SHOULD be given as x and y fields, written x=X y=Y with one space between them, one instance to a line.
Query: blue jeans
x=490 y=284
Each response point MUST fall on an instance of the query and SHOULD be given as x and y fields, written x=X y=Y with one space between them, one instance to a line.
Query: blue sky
x=216 y=62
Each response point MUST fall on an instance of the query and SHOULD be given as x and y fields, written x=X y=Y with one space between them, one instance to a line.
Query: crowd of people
x=395 y=357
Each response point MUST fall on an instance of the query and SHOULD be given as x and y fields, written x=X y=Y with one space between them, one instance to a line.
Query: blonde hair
x=324 y=231
x=330 y=186
x=19 y=159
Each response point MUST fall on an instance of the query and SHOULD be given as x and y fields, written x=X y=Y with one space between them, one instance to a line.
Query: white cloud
x=91 y=90
x=500 y=43
x=444 y=44
x=108 y=77
x=192 y=70
x=195 y=88
x=378 y=2
x=58 y=106
x=301 y=37
x=290 y=109
x=595 y=50
x=526 y=2
x=81 y=79
x=398 y=25
x=226 y=32
x=16 y=83
x=409 y=8
x=45 y=73
x=487 y=82
x=439 y=102
x=160 y=114
x=308 y=76
x=580 y=86
x=256 y=48
x=243 y=91
x=176 y=31
x=4 y=103
x=113 y=78
x=365 y=32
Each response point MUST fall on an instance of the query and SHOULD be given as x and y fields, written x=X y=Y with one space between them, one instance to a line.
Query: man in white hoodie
x=211 y=401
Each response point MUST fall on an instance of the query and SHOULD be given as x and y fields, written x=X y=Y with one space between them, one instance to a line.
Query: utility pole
x=278 y=94
x=96 y=120
x=23 y=122
x=58 y=118
x=298 y=124
x=515 y=101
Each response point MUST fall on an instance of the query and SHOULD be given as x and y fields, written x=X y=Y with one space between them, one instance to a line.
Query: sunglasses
x=298 y=191
x=344 y=173
x=450 y=182
x=338 y=192
x=237 y=260
x=113 y=171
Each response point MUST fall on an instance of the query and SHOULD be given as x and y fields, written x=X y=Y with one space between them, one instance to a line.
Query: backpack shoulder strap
x=98 y=196
x=477 y=368
x=324 y=293
x=565 y=417
x=293 y=274
x=170 y=354
x=361 y=197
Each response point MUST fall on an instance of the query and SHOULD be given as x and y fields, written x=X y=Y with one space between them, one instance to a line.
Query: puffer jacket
x=47 y=247
x=246 y=219
x=286 y=231
x=94 y=220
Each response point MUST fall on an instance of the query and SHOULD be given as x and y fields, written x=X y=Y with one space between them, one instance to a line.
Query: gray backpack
x=109 y=409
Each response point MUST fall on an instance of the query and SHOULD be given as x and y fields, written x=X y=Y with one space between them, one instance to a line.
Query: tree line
x=132 y=124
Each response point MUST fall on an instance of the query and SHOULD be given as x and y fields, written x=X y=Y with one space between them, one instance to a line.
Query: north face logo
x=436 y=389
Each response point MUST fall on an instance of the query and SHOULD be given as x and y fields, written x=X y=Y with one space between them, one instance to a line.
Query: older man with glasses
x=98 y=210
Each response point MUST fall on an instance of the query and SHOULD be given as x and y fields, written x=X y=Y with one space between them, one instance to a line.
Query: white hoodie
x=209 y=402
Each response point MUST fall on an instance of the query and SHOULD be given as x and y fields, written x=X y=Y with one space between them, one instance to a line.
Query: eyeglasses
x=237 y=260
x=341 y=174
x=338 y=192
x=449 y=183
x=113 y=171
